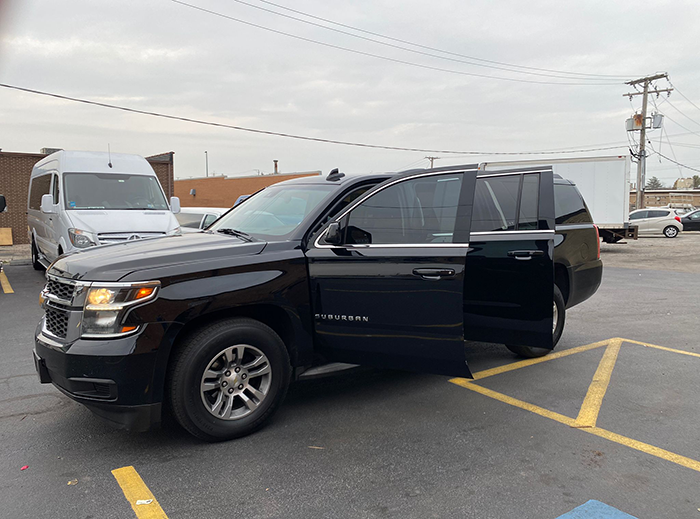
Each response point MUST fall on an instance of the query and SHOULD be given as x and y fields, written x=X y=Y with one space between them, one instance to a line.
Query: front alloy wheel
x=227 y=378
x=236 y=382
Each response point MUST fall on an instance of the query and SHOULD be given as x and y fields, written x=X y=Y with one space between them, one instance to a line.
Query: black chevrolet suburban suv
x=387 y=270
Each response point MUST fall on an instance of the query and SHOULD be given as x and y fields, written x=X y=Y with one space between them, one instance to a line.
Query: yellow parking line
x=142 y=501
x=6 y=287
x=529 y=362
x=588 y=414
x=514 y=401
x=664 y=348
x=597 y=431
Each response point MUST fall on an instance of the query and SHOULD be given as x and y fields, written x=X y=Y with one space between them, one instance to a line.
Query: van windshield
x=113 y=191
x=274 y=212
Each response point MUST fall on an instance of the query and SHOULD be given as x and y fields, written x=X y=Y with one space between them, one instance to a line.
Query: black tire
x=532 y=352
x=671 y=231
x=35 y=258
x=194 y=356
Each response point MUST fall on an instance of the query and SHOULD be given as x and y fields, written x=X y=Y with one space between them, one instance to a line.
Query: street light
x=206 y=162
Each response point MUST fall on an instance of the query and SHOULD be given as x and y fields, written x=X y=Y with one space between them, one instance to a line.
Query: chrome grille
x=60 y=290
x=56 y=322
x=119 y=237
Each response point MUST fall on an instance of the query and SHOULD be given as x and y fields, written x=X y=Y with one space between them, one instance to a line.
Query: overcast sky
x=161 y=56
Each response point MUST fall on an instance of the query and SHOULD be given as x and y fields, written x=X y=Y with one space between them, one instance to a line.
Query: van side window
x=422 y=210
x=569 y=206
x=55 y=189
x=208 y=220
x=40 y=187
x=191 y=220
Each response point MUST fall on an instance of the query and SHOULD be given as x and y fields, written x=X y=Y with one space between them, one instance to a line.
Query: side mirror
x=47 y=206
x=3 y=204
x=174 y=204
x=334 y=236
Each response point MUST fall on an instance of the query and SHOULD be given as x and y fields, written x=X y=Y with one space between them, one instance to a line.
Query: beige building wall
x=223 y=192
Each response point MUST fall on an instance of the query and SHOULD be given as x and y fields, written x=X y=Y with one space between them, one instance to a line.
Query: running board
x=327 y=369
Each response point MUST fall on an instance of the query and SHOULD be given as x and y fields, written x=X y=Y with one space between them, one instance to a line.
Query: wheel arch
x=562 y=280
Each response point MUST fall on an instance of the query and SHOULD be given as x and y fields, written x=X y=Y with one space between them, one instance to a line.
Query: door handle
x=524 y=255
x=427 y=273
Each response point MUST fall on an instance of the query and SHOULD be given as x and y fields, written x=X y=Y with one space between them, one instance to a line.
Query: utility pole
x=642 y=159
x=431 y=159
x=206 y=162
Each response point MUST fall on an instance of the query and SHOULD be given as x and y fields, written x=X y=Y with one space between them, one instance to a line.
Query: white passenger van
x=80 y=199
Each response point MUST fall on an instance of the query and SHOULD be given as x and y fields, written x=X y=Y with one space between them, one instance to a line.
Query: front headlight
x=81 y=239
x=107 y=306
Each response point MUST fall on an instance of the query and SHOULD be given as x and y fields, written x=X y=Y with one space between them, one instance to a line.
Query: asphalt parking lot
x=612 y=416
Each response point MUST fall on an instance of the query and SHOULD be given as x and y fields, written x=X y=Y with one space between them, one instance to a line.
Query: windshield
x=113 y=191
x=275 y=211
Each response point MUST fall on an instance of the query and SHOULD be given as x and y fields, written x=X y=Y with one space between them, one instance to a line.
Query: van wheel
x=558 y=319
x=228 y=378
x=671 y=231
x=35 y=258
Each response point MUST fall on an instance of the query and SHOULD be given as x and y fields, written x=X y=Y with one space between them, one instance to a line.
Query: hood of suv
x=113 y=262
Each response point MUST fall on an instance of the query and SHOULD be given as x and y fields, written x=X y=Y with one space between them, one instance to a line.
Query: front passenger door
x=390 y=294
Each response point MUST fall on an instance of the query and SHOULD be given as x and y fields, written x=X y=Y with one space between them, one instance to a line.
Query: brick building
x=677 y=198
x=16 y=168
x=223 y=192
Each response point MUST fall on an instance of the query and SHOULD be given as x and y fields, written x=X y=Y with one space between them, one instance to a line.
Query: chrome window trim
x=511 y=235
x=391 y=245
x=571 y=226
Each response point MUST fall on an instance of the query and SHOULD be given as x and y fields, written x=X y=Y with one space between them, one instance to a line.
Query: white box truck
x=604 y=183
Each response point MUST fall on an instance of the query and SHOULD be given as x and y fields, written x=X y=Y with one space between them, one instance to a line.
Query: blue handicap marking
x=595 y=510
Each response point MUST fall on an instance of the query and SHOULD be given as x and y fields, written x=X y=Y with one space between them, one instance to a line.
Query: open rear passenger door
x=509 y=275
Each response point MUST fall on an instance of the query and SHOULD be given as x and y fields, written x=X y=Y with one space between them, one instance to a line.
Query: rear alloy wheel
x=35 y=258
x=228 y=378
x=558 y=319
x=671 y=231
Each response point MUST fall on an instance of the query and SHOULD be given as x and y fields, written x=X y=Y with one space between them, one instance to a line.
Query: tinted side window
x=639 y=215
x=55 y=189
x=569 y=206
x=495 y=203
x=657 y=214
x=529 y=203
x=422 y=210
x=40 y=187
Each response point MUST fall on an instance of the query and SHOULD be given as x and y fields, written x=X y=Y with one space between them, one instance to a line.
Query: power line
x=679 y=124
x=681 y=94
x=400 y=47
x=683 y=114
x=291 y=135
x=440 y=50
x=678 y=163
x=379 y=56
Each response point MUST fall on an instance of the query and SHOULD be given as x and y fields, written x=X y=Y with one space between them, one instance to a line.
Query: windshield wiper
x=238 y=234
